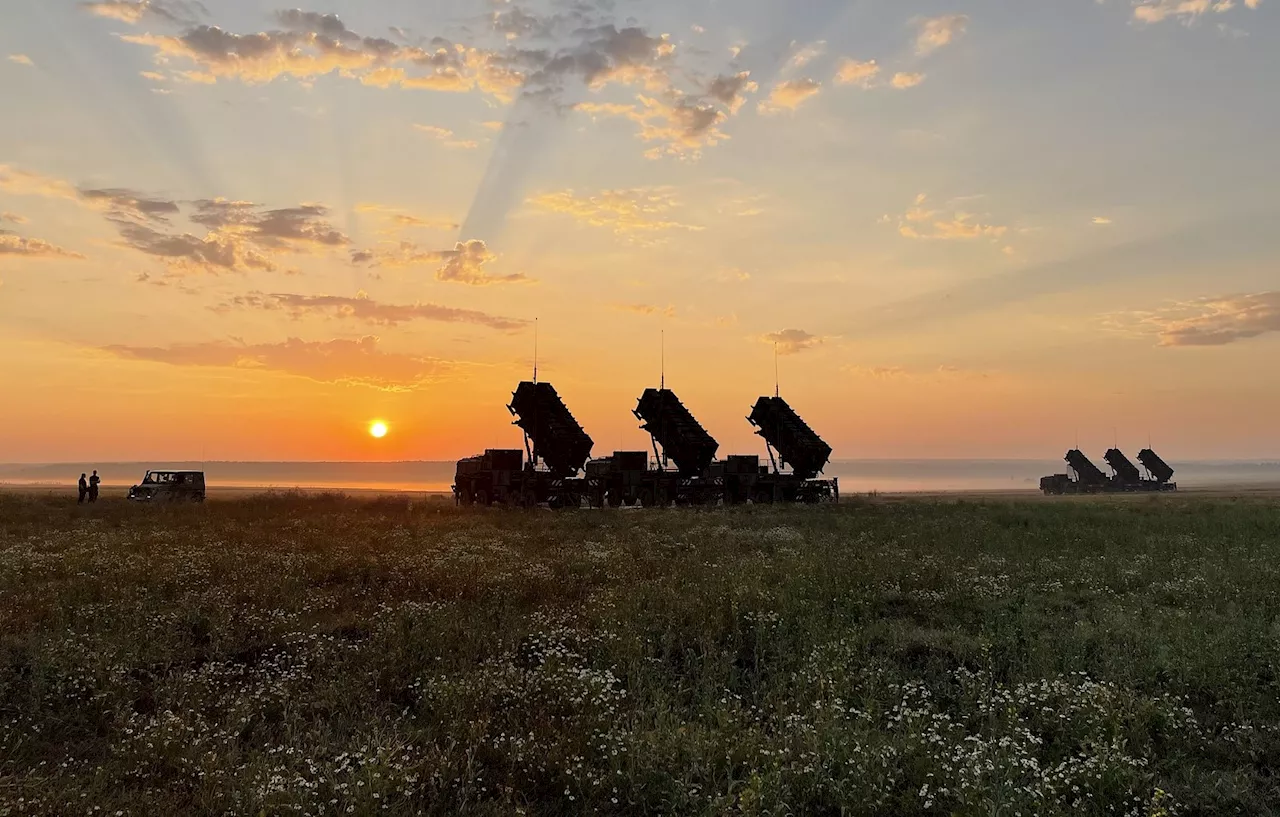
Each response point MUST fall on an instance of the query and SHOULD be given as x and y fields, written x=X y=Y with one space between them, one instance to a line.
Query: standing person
x=93 y=487
x=84 y=490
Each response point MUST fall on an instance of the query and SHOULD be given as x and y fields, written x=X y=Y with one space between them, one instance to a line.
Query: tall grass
x=290 y=654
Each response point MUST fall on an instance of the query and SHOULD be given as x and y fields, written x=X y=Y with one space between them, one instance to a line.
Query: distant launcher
x=1159 y=470
x=1086 y=478
x=1126 y=472
x=557 y=438
x=794 y=441
x=683 y=439
x=1086 y=472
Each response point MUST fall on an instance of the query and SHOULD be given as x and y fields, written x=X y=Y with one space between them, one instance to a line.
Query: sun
x=378 y=429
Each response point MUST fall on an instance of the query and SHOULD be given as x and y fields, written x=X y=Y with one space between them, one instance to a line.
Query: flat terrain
x=320 y=655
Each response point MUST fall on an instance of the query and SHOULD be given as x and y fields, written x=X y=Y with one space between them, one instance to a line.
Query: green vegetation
x=318 y=655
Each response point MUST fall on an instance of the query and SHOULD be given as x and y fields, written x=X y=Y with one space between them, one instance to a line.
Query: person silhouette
x=93 y=487
x=84 y=490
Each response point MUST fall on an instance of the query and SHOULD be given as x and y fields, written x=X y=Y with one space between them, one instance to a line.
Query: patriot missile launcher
x=557 y=448
x=790 y=442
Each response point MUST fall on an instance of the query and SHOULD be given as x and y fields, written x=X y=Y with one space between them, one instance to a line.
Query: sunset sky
x=234 y=230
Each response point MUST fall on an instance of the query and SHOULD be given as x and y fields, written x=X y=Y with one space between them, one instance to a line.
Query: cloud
x=398 y=219
x=922 y=222
x=683 y=128
x=1216 y=321
x=647 y=310
x=26 y=183
x=445 y=136
x=14 y=244
x=789 y=95
x=21 y=59
x=939 y=32
x=357 y=362
x=238 y=235
x=853 y=72
x=626 y=212
x=133 y=11
x=590 y=56
x=13 y=218
x=793 y=341
x=731 y=89
x=128 y=204
x=1185 y=11
x=363 y=308
x=807 y=54
x=1102 y=220
x=903 y=81
x=464 y=264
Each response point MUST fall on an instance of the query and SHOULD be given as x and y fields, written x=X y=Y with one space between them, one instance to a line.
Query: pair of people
x=89 y=488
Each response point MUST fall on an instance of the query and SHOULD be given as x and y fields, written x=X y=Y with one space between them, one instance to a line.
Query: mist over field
x=856 y=476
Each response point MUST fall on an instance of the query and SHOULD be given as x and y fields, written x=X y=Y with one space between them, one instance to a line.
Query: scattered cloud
x=446 y=137
x=26 y=183
x=21 y=59
x=914 y=374
x=13 y=218
x=356 y=362
x=793 y=341
x=903 y=81
x=238 y=235
x=647 y=310
x=853 y=72
x=939 y=32
x=1216 y=321
x=732 y=89
x=1185 y=11
x=922 y=222
x=364 y=309
x=464 y=264
x=397 y=219
x=1101 y=220
x=789 y=95
x=807 y=54
x=626 y=212
x=668 y=104
x=133 y=11
x=14 y=244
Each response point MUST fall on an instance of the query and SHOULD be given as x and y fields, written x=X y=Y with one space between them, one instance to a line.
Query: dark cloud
x=362 y=308
x=311 y=22
x=358 y=362
x=129 y=204
x=270 y=229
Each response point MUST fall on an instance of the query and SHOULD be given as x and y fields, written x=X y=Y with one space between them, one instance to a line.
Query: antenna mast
x=777 y=384
x=535 y=350
x=663 y=384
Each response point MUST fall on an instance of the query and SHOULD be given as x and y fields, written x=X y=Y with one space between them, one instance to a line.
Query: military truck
x=169 y=486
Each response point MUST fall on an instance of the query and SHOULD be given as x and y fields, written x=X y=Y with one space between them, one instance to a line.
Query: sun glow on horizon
x=378 y=429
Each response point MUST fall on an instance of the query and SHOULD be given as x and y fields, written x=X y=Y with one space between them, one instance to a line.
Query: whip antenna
x=535 y=350
x=777 y=385
x=663 y=383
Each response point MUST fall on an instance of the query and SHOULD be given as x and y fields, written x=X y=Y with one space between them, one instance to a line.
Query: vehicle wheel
x=646 y=498
x=615 y=499
x=482 y=498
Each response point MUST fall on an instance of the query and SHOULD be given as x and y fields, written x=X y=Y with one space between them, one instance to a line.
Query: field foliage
x=319 y=655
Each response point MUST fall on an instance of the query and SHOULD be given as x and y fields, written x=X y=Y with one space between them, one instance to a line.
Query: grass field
x=318 y=655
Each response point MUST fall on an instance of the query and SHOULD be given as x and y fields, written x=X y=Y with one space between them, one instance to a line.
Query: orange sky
x=971 y=231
